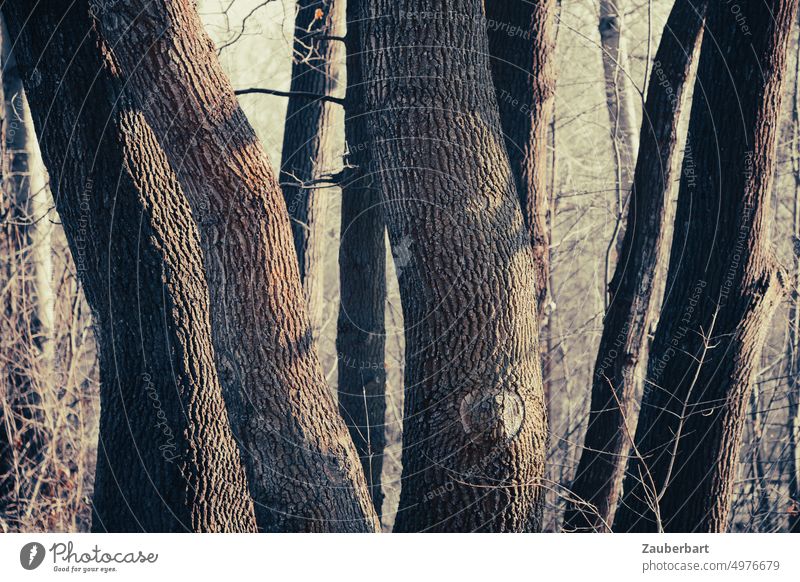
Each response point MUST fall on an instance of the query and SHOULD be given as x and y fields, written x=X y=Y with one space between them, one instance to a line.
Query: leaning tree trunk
x=305 y=137
x=598 y=481
x=167 y=460
x=475 y=432
x=361 y=334
x=523 y=70
x=723 y=283
x=302 y=467
x=25 y=280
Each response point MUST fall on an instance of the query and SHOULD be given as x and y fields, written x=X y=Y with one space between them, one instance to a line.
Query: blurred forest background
x=254 y=42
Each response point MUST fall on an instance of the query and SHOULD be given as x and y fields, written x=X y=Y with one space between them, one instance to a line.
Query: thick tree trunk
x=303 y=469
x=27 y=295
x=723 y=283
x=361 y=339
x=598 y=481
x=167 y=460
x=475 y=430
x=306 y=129
x=522 y=49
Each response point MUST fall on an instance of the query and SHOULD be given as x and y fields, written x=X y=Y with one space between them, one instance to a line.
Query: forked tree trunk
x=598 y=481
x=361 y=334
x=723 y=283
x=302 y=467
x=522 y=49
x=27 y=311
x=167 y=460
x=475 y=431
x=305 y=137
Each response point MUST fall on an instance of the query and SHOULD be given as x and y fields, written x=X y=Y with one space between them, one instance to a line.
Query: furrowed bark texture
x=722 y=284
x=167 y=460
x=474 y=433
x=361 y=333
x=27 y=306
x=522 y=50
x=302 y=467
x=598 y=480
x=307 y=124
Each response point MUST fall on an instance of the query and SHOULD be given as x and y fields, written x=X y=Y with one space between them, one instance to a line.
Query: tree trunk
x=27 y=294
x=475 y=430
x=303 y=469
x=306 y=129
x=522 y=49
x=598 y=483
x=722 y=284
x=620 y=101
x=167 y=460
x=793 y=355
x=361 y=334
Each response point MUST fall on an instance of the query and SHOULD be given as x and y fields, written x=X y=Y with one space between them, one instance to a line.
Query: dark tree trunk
x=167 y=460
x=475 y=430
x=361 y=339
x=523 y=69
x=306 y=128
x=598 y=481
x=303 y=469
x=722 y=284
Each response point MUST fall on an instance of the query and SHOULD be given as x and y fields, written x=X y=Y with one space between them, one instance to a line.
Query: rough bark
x=474 y=433
x=522 y=49
x=306 y=128
x=27 y=295
x=167 y=460
x=302 y=467
x=598 y=481
x=361 y=339
x=723 y=283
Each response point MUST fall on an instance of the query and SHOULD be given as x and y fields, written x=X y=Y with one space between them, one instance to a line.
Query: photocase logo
x=31 y=555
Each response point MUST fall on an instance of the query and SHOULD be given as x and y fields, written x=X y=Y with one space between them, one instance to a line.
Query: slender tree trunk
x=475 y=432
x=723 y=283
x=306 y=129
x=620 y=101
x=361 y=337
x=793 y=355
x=598 y=482
x=27 y=295
x=167 y=460
x=522 y=49
x=303 y=469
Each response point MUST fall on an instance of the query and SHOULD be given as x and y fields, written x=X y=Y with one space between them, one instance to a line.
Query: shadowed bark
x=598 y=481
x=302 y=467
x=361 y=334
x=723 y=283
x=167 y=460
x=475 y=431
x=523 y=70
